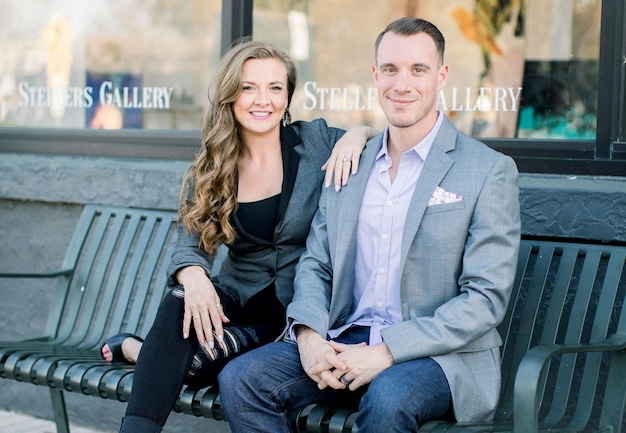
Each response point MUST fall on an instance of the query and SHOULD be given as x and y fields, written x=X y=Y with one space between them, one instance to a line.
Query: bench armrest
x=49 y=274
x=530 y=374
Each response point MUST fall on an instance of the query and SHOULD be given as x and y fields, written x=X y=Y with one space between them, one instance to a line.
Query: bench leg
x=59 y=411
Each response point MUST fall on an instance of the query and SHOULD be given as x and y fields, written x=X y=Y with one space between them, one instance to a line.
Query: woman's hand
x=346 y=155
x=202 y=306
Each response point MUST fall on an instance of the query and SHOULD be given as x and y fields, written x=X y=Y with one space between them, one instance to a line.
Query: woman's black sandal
x=115 y=345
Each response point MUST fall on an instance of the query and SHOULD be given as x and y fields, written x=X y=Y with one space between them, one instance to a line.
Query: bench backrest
x=118 y=258
x=565 y=293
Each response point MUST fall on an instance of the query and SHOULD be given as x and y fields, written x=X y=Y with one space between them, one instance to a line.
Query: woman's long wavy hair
x=207 y=212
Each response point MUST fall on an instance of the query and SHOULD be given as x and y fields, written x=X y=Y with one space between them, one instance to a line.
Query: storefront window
x=518 y=68
x=107 y=64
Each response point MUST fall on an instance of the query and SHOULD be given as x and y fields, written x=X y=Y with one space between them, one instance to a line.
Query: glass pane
x=107 y=64
x=518 y=68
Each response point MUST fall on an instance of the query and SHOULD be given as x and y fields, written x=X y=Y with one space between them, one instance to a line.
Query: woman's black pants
x=167 y=360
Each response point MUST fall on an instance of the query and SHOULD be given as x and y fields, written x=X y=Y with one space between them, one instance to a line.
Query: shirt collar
x=422 y=148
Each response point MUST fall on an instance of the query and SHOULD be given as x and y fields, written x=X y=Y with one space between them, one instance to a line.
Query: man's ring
x=344 y=380
x=220 y=306
x=195 y=318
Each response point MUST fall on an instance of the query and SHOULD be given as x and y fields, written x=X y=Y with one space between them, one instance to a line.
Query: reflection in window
x=102 y=64
x=560 y=82
x=518 y=68
x=559 y=100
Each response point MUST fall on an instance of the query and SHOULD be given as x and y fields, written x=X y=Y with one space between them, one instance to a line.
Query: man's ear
x=443 y=77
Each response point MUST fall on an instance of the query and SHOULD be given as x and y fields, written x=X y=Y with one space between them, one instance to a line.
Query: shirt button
x=379 y=305
x=390 y=203
x=381 y=270
x=385 y=237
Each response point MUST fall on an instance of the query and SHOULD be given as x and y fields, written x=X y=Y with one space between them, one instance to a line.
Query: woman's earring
x=286 y=118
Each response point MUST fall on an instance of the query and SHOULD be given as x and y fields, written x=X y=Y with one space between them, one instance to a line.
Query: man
x=408 y=270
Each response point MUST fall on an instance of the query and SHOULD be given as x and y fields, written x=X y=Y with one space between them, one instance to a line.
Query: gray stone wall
x=581 y=207
x=153 y=184
x=41 y=198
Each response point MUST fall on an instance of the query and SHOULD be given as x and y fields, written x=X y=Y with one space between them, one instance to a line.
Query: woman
x=254 y=187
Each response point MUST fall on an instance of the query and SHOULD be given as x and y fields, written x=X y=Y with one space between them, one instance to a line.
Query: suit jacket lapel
x=437 y=164
x=346 y=218
x=351 y=195
x=290 y=141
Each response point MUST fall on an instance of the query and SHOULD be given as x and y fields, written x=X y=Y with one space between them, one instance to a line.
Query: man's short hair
x=409 y=26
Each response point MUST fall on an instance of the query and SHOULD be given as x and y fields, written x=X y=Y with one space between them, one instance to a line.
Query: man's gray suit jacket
x=458 y=265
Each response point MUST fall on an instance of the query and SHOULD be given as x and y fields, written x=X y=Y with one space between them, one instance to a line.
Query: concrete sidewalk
x=13 y=422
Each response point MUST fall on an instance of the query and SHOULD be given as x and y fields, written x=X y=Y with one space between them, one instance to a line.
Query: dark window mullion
x=609 y=97
x=621 y=113
x=236 y=21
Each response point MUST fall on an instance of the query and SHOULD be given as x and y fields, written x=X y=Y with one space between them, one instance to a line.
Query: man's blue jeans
x=258 y=388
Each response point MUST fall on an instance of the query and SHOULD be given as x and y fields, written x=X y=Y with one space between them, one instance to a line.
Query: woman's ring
x=195 y=318
x=347 y=158
x=220 y=306
x=344 y=380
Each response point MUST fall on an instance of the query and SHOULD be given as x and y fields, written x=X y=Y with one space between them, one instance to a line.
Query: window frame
x=606 y=155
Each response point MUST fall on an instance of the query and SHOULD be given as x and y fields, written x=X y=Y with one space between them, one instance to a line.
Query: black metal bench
x=563 y=359
x=564 y=333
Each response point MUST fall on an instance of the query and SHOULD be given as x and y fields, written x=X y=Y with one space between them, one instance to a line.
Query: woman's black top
x=259 y=218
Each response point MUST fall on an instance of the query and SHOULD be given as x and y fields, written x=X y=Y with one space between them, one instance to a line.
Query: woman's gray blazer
x=252 y=264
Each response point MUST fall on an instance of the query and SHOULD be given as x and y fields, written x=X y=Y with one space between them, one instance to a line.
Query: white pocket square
x=441 y=196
